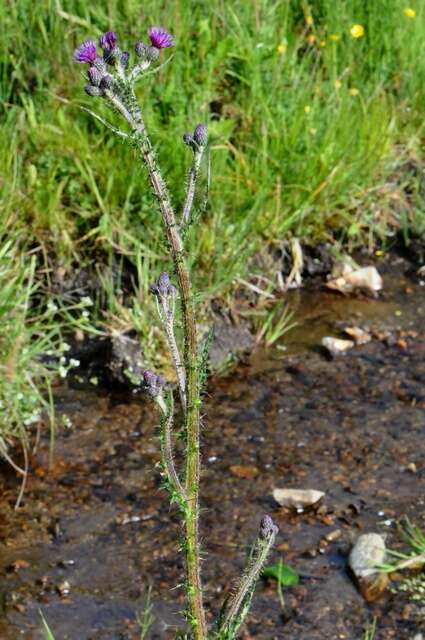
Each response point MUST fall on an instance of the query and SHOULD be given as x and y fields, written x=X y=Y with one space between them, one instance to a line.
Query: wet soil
x=95 y=531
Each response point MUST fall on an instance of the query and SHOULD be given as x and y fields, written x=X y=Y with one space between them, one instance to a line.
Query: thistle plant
x=112 y=78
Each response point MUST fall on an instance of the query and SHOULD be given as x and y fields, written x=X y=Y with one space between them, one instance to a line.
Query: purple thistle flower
x=86 y=52
x=160 y=38
x=108 y=40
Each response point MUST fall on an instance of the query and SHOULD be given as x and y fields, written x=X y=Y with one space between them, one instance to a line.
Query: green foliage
x=282 y=573
x=48 y=635
x=370 y=632
x=28 y=336
x=314 y=134
x=306 y=123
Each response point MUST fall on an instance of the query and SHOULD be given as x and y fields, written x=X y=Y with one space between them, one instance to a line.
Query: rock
x=360 y=336
x=229 y=342
x=297 y=498
x=127 y=362
x=64 y=588
x=366 y=278
x=369 y=551
x=336 y=346
x=333 y=535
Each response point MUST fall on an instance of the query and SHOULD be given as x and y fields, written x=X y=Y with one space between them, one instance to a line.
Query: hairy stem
x=194 y=589
x=167 y=318
x=191 y=185
x=238 y=606
x=167 y=451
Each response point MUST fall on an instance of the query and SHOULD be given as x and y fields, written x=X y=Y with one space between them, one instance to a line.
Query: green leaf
x=47 y=633
x=282 y=573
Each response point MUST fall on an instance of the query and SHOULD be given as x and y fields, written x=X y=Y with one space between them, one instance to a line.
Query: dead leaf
x=19 y=564
x=246 y=471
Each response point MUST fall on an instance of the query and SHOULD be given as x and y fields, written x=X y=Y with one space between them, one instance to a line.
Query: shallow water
x=352 y=427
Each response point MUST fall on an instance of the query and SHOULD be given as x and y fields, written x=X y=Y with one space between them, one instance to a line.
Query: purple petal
x=108 y=40
x=86 y=52
x=160 y=38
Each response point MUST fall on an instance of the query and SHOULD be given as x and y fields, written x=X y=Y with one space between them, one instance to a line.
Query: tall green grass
x=311 y=132
x=306 y=121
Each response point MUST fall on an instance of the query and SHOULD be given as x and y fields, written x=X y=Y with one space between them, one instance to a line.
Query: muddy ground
x=96 y=531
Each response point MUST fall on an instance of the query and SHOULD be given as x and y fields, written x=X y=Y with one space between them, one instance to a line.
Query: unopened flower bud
x=267 y=528
x=92 y=91
x=200 y=135
x=95 y=76
x=108 y=40
x=188 y=139
x=106 y=82
x=140 y=49
x=153 y=383
x=163 y=287
x=125 y=57
x=112 y=55
x=100 y=64
x=152 y=53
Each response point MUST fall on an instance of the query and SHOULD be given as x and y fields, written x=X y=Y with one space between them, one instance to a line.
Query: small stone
x=360 y=336
x=333 y=535
x=297 y=498
x=367 y=278
x=368 y=552
x=64 y=588
x=337 y=346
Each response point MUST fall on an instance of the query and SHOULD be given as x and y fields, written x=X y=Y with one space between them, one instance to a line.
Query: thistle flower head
x=108 y=40
x=268 y=528
x=86 y=52
x=160 y=38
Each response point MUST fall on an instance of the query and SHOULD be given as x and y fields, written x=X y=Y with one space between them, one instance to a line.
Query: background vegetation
x=316 y=119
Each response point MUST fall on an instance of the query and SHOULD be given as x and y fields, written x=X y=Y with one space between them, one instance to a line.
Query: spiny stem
x=191 y=186
x=166 y=315
x=196 y=608
x=238 y=606
x=167 y=451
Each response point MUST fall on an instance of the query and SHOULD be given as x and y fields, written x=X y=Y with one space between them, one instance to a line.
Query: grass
x=316 y=136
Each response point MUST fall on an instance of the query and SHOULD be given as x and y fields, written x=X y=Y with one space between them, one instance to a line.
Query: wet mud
x=95 y=531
